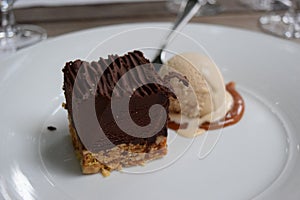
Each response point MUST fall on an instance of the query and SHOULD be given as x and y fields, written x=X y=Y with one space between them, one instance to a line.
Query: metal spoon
x=187 y=11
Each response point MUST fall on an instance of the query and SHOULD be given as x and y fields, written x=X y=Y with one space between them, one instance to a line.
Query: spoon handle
x=190 y=8
x=187 y=10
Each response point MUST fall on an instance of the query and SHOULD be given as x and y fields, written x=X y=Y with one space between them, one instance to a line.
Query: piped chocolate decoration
x=97 y=81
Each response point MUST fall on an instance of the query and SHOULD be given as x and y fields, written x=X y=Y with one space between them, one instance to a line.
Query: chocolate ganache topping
x=96 y=82
x=112 y=69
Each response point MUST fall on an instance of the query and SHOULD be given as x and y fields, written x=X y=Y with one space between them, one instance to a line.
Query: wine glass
x=285 y=25
x=14 y=36
x=212 y=7
x=258 y=4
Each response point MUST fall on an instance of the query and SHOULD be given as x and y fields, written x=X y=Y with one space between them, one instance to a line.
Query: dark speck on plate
x=51 y=128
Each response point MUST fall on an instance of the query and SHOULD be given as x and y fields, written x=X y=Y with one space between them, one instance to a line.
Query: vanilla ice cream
x=204 y=100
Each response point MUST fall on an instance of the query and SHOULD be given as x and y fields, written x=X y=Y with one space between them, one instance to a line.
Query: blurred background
x=63 y=16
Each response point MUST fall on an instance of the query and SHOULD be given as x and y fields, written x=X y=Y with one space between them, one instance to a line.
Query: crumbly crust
x=123 y=155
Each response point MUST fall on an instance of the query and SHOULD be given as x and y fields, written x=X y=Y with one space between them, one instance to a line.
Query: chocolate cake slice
x=112 y=117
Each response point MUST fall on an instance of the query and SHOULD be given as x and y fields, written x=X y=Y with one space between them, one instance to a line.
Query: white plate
x=257 y=158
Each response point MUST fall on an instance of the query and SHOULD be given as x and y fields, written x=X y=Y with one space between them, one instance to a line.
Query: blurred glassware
x=212 y=7
x=285 y=24
x=261 y=5
x=14 y=36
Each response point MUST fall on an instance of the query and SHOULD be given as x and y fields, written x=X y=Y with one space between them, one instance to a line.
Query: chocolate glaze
x=232 y=117
x=112 y=69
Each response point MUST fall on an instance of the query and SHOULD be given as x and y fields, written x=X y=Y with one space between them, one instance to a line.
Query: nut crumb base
x=123 y=155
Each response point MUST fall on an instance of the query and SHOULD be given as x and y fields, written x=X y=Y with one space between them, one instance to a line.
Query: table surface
x=61 y=20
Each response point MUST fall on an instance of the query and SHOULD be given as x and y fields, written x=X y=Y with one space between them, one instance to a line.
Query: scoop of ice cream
x=205 y=98
x=192 y=100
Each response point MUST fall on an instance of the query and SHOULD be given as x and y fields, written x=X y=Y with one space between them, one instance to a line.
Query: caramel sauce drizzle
x=232 y=117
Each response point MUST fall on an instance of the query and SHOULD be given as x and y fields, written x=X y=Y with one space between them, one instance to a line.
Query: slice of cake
x=107 y=133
